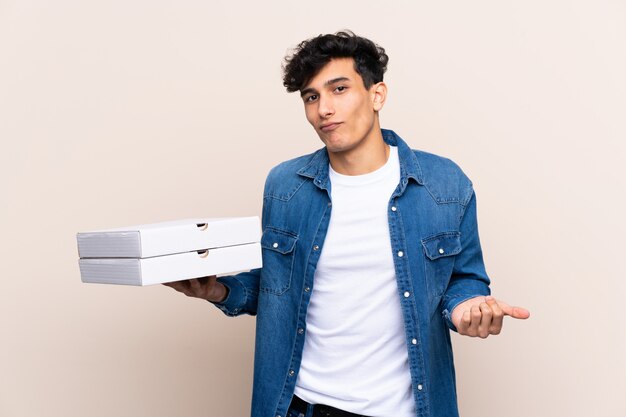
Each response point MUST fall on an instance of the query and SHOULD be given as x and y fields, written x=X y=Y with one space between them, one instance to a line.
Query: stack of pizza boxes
x=169 y=251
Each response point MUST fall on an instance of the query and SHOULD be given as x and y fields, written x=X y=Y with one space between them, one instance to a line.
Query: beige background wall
x=124 y=112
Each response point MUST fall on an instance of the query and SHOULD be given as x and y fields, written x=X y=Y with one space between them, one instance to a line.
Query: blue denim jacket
x=437 y=257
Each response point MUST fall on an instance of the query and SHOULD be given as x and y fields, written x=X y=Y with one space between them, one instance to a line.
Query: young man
x=370 y=255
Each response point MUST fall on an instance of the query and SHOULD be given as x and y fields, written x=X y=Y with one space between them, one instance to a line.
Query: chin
x=336 y=144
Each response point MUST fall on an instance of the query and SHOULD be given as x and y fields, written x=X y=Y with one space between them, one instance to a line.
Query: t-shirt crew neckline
x=370 y=177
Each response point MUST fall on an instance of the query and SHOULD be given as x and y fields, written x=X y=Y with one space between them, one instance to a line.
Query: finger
x=175 y=285
x=515 y=312
x=465 y=322
x=195 y=285
x=497 y=316
x=476 y=316
x=212 y=286
x=180 y=286
x=485 y=320
x=201 y=287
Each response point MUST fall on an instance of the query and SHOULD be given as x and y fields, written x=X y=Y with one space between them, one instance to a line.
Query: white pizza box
x=165 y=238
x=169 y=268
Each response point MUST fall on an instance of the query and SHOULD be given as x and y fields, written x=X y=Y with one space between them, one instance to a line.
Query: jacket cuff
x=452 y=301
x=235 y=299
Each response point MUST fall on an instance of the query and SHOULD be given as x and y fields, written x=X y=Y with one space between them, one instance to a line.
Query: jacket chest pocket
x=279 y=249
x=440 y=251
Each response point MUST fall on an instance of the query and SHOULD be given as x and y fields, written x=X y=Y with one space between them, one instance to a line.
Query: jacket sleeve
x=243 y=293
x=469 y=278
x=243 y=288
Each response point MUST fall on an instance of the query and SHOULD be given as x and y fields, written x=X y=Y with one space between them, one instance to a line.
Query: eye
x=311 y=98
x=340 y=88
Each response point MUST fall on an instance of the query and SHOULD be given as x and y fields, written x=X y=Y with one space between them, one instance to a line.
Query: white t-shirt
x=355 y=356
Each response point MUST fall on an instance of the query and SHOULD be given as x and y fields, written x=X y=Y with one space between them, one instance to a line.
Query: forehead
x=335 y=68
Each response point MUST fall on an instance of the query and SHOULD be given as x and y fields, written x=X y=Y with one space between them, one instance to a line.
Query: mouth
x=329 y=126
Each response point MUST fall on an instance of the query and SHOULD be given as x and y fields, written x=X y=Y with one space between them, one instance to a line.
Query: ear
x=378 y=93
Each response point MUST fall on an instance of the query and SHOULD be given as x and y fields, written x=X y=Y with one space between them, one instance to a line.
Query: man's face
x=339 y=107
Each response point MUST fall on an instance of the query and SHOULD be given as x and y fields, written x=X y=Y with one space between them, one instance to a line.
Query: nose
x=325 y=107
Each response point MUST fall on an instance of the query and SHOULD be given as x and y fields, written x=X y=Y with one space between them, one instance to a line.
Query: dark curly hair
x=311 y=55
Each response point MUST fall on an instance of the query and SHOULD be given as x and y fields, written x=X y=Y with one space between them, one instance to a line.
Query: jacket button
x=315 y=247
x=275 y=245
x=291 y=372
x=441 y=251
x=393 y=208
x=414 y=341
x=400 y=254
x=420 y=387
x=407 y=294
x=300 y=330
x=307 y=289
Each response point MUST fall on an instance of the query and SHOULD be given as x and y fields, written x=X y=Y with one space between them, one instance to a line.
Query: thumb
x=515 y=312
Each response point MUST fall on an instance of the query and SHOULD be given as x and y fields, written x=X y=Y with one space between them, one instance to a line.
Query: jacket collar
x=317 y=167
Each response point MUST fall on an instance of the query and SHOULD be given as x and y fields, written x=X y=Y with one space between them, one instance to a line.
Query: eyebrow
x=326 y=84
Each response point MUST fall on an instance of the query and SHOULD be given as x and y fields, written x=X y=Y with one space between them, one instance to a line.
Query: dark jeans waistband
x=319 y=410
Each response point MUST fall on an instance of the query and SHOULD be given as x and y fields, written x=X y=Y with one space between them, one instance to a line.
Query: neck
x=367 y=157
